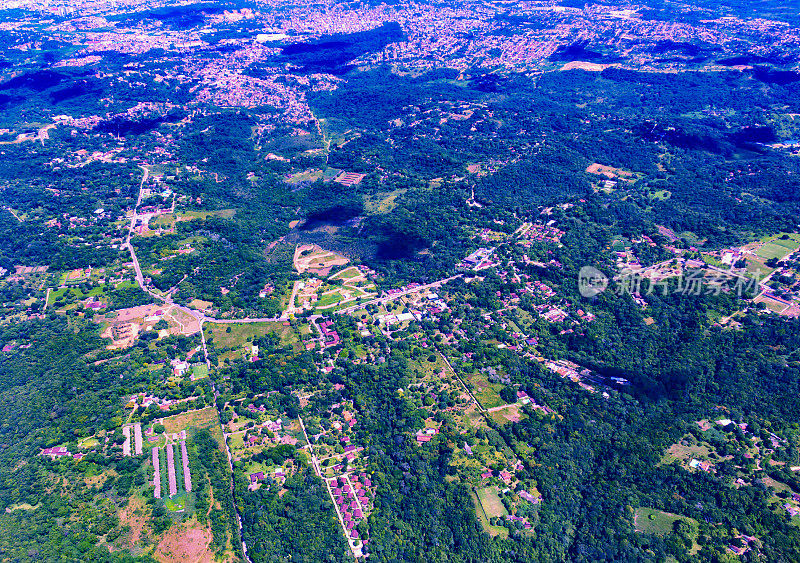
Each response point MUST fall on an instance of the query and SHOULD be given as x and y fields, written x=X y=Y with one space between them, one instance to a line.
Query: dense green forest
x=641 y=424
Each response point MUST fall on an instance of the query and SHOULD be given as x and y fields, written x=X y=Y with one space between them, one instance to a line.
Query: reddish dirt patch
x=128 y=517
x=583 y=65
x=607 y=171
x=187 y=543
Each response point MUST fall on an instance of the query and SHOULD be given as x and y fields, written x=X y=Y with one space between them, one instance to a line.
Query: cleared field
x=659 y=523
x=187 y=323
x=312 y=258
x=484 y=518
x=347 y=274
x=490 y=501
x=511 y=413
x=608 y=171
x=203 y=418
x=240 y=333
x=682 y=452
x=383 y=202
x=487 y=394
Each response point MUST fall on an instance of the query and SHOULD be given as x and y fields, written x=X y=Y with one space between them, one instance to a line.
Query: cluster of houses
x=391 y=320
x=551 y=313
x=539 y=232
x=179 y=367
x=330 y=337
x=307 y=292
x=58 y=452
x=399 y=290
x=577 y=374
x=521 y=519
x=524 y=399
x=504 y=475
x=278 y=475
x=706 y=466
x=746 y=542
x=266 y=290
x=255 y=436
x=145 y=400
x=352 y=497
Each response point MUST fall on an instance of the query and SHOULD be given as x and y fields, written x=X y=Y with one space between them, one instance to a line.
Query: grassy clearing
x=656 y=522
x=683 y=452
x=484 y=519
x=243 y=334
x=659 y=523
x=383 y=202
x=487 y=394
x=491 y=503
x=509 y=414
x=775 y=249
x=311 y=175
x=23 y=506
x=203 y=418
x=87 y=443
x=176 y=503
x=346 y=274
x=189 y=215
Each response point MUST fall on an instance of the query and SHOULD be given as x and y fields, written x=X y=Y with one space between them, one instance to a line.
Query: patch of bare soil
x=188 y=542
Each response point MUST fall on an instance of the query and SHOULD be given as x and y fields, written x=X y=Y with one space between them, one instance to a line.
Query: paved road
x=355 y=546
x=392 y=297
x=202 y=317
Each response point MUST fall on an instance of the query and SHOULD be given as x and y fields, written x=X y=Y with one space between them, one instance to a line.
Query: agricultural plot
x=775 y=247
x=310 y=175
x=172 y=479
x=490 y=501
